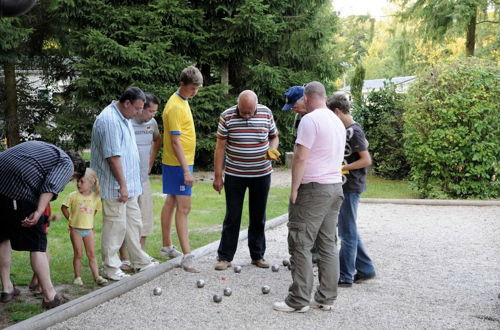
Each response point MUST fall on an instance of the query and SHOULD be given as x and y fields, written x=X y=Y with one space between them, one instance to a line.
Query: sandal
x=8 y=296
x=126 y=265
x=57 y=301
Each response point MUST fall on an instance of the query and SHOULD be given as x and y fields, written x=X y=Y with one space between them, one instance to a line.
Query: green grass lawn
x=205 y=222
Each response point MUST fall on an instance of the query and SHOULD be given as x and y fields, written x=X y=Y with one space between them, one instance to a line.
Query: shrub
x=452 y=130
x=382 y=120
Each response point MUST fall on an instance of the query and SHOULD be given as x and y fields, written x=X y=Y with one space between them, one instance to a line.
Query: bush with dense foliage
x=452 y=128
x=382 y=119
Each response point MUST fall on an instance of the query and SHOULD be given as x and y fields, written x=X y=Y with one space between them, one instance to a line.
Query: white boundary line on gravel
x=97 y=297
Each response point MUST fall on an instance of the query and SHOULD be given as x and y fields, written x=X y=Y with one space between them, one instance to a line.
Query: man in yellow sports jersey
x=179 y=144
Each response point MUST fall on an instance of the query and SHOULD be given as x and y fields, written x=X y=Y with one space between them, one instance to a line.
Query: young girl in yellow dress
x=80 y=208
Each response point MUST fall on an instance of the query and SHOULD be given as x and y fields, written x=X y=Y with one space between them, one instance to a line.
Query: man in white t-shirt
x=315 y=201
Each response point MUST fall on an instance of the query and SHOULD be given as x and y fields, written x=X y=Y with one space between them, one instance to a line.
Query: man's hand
x=188 y=178
x=31 y=220
x=123 y=194
x=293 y=196
x=218 y=184
x=273 y=154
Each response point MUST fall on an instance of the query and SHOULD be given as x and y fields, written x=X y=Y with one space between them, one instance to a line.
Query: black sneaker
x=343 y=284
x=359 y=277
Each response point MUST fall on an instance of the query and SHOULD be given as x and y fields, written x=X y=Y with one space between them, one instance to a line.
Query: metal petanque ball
x=200 y=283
x=228 y=292
x=217 y=298
x=237 y=269
x=286 y=262
x=266 y=289
x=275 y=268
x=157 y=291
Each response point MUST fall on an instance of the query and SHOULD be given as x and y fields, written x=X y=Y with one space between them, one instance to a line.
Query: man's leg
x=305 y=219
x=167 y=213
x=364 y=264
x=183 y=208
x=5 y=261
x=348 y=234
x=147 y=213
x=326 y=244
x=234 y=188
x=138 y=257
x=258 y=190
x=112 y=235
x=40 y=265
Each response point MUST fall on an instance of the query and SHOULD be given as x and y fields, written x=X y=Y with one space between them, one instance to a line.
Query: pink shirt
x=322 y=132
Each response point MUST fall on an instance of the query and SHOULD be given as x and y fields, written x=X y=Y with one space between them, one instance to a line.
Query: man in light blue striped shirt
x=115 y=158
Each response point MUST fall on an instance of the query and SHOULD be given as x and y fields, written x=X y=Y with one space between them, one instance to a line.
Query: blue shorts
x=173 y=180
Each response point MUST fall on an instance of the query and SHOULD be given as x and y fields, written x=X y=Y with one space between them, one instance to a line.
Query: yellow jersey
x=178 y=120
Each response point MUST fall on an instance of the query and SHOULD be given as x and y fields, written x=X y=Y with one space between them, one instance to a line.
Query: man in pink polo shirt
x=315 y=201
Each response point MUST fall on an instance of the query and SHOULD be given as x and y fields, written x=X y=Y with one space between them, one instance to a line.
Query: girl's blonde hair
x=91 y=175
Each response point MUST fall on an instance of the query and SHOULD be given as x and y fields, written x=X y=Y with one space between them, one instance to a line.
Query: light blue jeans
x=352 y=255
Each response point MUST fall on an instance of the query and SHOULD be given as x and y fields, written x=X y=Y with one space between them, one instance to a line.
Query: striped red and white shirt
x=247 y=141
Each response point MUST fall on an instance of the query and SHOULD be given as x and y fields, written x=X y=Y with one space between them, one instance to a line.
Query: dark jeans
x=352 y=256
x=258 y=189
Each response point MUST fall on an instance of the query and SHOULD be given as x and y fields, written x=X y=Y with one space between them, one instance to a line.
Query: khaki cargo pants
x=313 y=221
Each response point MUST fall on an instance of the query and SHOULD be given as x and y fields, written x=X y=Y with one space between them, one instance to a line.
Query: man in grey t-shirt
x=148 y=139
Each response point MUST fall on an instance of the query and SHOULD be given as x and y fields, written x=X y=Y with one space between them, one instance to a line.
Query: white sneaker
x=324 y=307
x=148 y=266
x=187 y=263
x=78 y=281
x=170 y=252
x=283 y=307
x=117 y=276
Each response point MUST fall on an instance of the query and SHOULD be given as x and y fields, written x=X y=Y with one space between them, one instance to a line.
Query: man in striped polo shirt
x=248 y=138
x=31 y=175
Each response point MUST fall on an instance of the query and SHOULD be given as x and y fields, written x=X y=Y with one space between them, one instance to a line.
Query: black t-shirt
x=355 y=142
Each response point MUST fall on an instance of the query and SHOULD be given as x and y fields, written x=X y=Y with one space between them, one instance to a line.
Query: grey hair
x=248 y=93
x=300 y=101
x=315 y=89
x=339 y=101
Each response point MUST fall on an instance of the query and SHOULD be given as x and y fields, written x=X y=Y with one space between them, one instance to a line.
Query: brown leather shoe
x=8 y=296
x=57 y=301
x=222 y=265
x=261 y=263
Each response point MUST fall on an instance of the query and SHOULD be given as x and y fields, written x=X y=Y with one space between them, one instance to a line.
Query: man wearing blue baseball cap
x=293 y=94
x=295 y=102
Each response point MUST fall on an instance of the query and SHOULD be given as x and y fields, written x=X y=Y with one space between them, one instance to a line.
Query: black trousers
x=258 y=190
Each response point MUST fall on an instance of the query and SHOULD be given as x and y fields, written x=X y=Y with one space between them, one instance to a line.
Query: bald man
x=245 y=134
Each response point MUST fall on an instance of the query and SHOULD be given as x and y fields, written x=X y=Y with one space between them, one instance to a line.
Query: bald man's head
x=247 y=104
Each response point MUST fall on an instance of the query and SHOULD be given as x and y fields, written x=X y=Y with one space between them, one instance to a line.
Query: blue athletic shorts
x=173 y=180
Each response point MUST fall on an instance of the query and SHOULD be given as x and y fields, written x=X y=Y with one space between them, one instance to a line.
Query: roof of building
x=380 y=83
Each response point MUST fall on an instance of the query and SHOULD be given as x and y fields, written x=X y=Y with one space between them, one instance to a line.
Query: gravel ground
x=438 y=267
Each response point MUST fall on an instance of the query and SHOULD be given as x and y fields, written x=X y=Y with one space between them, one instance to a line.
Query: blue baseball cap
x=293 y=94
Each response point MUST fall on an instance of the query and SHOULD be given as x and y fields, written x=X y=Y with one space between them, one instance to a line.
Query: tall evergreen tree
x=438 y=18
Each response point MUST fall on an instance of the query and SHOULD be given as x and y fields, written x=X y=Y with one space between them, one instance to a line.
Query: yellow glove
x=273 y=154
x=344 y=172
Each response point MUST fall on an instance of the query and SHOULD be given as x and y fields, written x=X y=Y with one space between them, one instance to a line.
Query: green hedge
x=452 y=130
x=382 y=119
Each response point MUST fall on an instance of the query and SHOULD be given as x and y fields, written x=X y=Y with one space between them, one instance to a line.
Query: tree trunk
x=224 y=73
x=11 y=120
x=471 y=34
